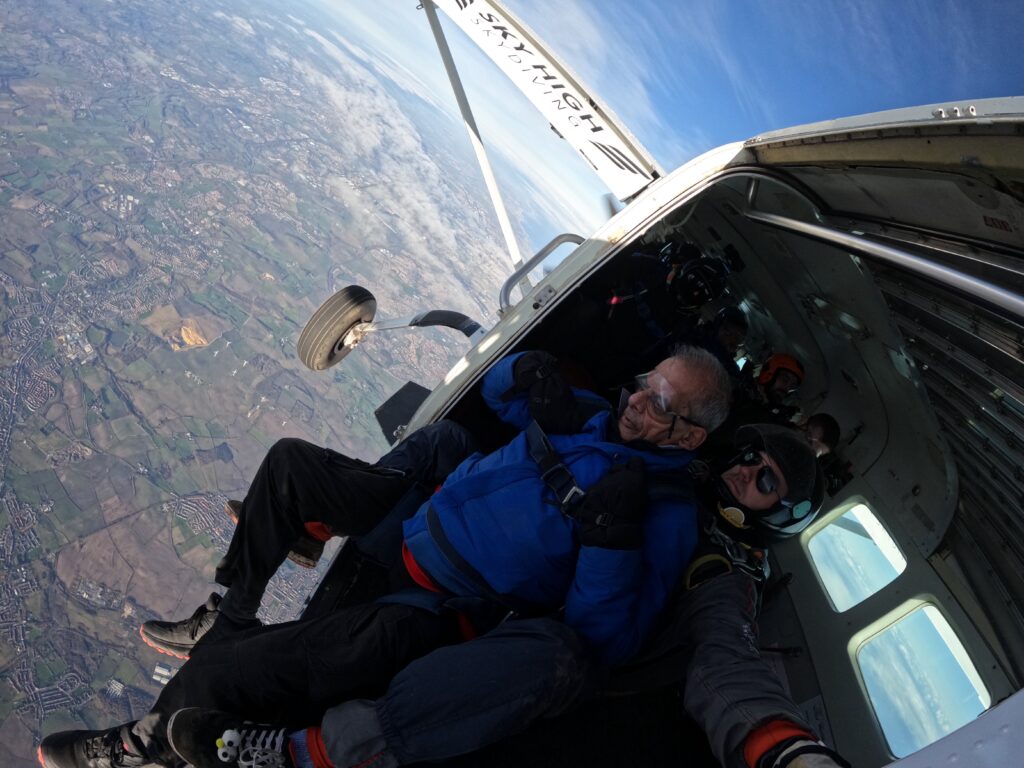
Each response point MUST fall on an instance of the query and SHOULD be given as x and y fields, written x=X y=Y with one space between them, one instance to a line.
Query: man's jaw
x=627 y=429
x=731 y=483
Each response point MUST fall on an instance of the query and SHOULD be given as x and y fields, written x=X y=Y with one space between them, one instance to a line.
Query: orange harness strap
x=766 y=736
x=423 y=580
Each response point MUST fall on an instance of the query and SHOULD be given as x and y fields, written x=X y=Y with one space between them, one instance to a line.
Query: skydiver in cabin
x=553 y=519
x=462 y=698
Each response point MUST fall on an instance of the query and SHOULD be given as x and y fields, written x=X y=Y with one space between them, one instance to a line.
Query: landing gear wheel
x=322 y=341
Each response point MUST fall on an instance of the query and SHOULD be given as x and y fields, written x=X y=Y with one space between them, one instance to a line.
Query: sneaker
x=176 y=638
x=305 y=552
x=89 y=749
x=206 y=738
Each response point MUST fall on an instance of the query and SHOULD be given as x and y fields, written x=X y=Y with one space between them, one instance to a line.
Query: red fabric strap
x=418 y=574
x=423 y=580
x=319 y=531
x=766 y=736
x=316 y=748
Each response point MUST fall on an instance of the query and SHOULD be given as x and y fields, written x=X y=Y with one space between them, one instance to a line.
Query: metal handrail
x=972 y=286
x=505 y=295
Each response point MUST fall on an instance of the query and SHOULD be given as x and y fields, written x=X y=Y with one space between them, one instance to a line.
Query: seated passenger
x=542 y=523
x=777 y=381
x=763 y=399
x=723 y=336
x=636 y=310
x=461 y=698
x=822 y=432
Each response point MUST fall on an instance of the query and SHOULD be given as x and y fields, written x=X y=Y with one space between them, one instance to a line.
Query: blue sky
x=913 y=669
x=689 y=76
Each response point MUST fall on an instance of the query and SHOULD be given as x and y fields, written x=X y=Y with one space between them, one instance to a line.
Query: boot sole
x=160 y=649
x=170 y=740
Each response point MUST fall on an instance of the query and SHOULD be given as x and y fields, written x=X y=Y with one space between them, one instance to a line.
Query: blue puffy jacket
x=498 y=514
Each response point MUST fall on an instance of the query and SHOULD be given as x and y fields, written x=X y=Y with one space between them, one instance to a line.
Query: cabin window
x=920 y=680
x=855 y=557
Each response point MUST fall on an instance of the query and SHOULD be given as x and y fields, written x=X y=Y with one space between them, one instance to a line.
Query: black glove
x=551 y=401
x=532 y=367
x=612 y=512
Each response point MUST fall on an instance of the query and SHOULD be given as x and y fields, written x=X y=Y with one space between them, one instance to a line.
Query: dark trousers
x=292 y=673
x=464 y=697
x=300 y=483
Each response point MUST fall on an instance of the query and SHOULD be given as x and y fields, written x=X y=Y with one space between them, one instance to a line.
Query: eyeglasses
x=658 y=397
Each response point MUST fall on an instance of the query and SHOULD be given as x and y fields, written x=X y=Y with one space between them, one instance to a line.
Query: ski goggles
x=767 y=478
x=768 y=481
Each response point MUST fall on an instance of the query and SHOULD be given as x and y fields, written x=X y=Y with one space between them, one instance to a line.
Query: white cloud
x=237 y=22
x=404 y=195
x=402 y=49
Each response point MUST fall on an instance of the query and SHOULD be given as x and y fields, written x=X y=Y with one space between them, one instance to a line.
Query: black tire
x=321 y=343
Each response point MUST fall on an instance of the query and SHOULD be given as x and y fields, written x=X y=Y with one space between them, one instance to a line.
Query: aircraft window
x=855 y=557
x=920 y=680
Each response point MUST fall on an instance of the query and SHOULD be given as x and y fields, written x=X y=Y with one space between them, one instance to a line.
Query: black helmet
x=732 y=316
x=693 y=278
x=796 y=460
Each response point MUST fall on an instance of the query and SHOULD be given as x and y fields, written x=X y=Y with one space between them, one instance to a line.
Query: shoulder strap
x=556 y=475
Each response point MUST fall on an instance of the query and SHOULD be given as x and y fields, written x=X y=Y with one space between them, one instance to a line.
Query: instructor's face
x=759 y=485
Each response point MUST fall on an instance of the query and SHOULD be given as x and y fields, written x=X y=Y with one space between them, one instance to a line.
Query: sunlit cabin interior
x=881 y=256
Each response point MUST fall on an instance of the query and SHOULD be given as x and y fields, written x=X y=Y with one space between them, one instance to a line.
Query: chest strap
x=555 y=474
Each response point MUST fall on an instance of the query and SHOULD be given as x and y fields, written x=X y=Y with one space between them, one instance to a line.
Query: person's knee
x=452 y=430
x=449 y=434
x=564 y=651
x=287 y=450
x=455 y=443
x=555 y=659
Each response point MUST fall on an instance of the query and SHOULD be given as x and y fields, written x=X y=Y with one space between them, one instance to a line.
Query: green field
x=60 y=721
x=220 y=305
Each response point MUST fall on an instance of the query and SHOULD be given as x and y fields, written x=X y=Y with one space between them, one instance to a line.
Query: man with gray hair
x=559 y=517
x=463 y=697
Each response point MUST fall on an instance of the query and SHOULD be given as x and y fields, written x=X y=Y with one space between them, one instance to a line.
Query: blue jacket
x=498 y=514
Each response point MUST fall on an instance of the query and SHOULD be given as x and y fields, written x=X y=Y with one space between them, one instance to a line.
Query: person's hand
x=612 y=512
x=531 y=368
x=551 y=401
x=805 y=753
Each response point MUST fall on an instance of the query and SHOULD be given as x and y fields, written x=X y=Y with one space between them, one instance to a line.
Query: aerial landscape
x=180 y=188
x=184 y=183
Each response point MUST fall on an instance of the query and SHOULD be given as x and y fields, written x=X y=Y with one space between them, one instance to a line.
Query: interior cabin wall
x=964 y=361
x=965 y=212
x=970 y=362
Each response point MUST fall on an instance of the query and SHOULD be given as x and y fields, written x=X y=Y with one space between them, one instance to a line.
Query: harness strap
x=556 y=476
x=706 y=567
x=463 y=566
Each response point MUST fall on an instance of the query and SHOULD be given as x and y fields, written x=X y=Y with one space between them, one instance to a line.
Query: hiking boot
x=176 y=638
x=306 y=551
x=206 y=738
x=112 y=748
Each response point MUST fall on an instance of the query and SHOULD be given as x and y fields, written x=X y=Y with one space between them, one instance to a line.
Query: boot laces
x=107 y=745
x=253 y=747
x=199 y=621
